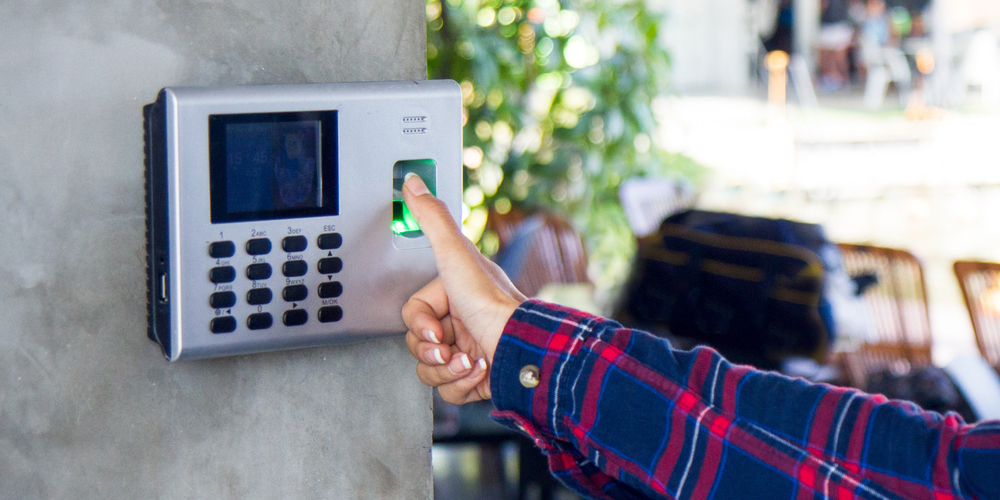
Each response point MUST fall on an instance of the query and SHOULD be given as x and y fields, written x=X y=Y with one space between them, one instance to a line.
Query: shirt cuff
x=532 y=364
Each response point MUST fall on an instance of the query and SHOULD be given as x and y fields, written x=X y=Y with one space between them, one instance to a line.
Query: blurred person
x=781 y=38
x=621 y=414
x=835 y=35
x=876 y=24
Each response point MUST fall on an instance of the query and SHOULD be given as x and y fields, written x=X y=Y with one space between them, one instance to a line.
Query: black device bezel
x=217 y=165
x=157 y=239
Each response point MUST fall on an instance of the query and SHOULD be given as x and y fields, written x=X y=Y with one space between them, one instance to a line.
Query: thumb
x=478 y=293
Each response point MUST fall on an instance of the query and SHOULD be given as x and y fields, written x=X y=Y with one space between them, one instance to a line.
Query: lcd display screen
x=267 y=166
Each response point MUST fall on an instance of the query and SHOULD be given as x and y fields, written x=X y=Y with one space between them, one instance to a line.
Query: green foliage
x=558 y=99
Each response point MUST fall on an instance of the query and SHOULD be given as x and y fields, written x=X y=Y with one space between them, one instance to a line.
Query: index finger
x=423 y=311
x=436 y=222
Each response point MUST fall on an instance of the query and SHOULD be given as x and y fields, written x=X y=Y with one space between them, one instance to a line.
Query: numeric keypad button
x=294 y=268
x=295 y=293
x=260 y=271
x=330 y=265
x=259 y=321
x=258 y=246
x=222 y=300
x=223 y=274
x=292 y=244
x=259 y=296
x=222 y=249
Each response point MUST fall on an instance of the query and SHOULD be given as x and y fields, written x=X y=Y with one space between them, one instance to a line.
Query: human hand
x=455 y=322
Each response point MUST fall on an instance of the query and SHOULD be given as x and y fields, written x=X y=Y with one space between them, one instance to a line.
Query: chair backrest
x=647 y=201
x=538 y=249
x=897 y=303
x=980 y=282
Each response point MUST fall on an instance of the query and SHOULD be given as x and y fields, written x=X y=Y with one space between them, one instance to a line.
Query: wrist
x=506 y=307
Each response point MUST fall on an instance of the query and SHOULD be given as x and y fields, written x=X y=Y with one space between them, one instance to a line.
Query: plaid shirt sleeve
x=621 y=414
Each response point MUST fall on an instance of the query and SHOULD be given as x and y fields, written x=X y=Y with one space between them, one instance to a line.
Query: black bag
x=929 y=387
x=750 y=287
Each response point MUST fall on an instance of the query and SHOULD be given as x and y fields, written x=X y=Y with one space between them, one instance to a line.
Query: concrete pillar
x=88 y=406
x=805 y=29
x=710 y=45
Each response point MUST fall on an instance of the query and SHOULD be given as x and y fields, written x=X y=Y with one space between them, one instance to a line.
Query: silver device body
x=377 y=125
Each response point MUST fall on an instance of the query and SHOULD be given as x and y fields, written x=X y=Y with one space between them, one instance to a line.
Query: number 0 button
x=259 y=321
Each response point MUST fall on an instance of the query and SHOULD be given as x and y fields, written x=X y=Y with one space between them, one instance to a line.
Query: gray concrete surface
x=88 y=406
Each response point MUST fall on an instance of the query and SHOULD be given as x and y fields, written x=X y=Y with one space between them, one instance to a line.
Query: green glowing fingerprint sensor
x=403 y=222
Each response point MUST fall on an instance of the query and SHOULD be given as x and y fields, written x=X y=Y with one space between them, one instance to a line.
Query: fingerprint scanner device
x=274 y=213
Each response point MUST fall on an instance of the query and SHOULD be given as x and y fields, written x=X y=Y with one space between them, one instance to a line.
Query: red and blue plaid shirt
x=621 y=414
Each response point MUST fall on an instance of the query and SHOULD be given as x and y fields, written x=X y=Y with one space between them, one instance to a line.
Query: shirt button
x=529 y=376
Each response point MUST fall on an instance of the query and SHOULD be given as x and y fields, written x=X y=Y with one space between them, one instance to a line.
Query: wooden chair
x=980 y=282
x=538 y=249
x=900 y=332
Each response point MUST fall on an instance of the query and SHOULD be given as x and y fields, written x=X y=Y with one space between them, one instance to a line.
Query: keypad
x=295 y=317
x=222 y=249
x=224 y=274
x=258 y=272
x=222 y=324
x=330 y=265
x=330 y=314
x=330 y=289
x=292 y=244
x=329 y=241
x=262 y=292
x=258 y=246
x=222 y=300
x=259 y=296
x=295 y=293
x=294 y=268
x=259 y=321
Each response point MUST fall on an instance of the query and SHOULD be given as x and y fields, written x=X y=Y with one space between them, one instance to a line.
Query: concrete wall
x=88 y=406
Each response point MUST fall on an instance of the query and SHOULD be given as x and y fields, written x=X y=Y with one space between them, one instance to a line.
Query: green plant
x=558 y=111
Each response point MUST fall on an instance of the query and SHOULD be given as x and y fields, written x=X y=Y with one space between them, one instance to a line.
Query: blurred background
x=589 y=121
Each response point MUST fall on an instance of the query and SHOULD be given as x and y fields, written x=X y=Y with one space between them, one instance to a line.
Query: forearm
x=691 y=425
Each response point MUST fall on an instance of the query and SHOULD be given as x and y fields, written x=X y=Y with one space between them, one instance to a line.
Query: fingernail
x=481 y=364
x=417 y=187
x=432 y=336
x=434 y=356
x=459 y=364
